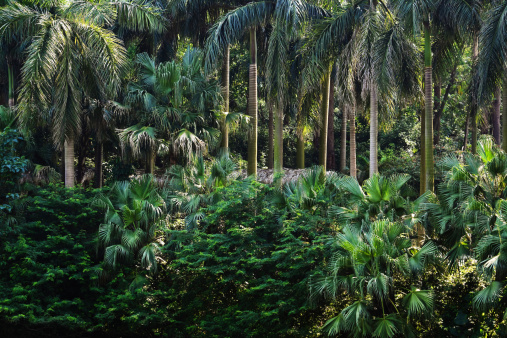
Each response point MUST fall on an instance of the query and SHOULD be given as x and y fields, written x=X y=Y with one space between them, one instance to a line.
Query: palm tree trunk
x=373 y=129
x=496 y=116
x=225 y=94
x=331 y=158
x=324 y=112
x=353 y=158
x=252 y=105
x=474 y=109
x=150 y=161
x=467 y=122
x=300 y=145
x=10 y=79
x=278 y=146
x=422 y=176
x=99 y=156
x=504 y=115
x=428 y=110
x=343 y=141
x=68 y=157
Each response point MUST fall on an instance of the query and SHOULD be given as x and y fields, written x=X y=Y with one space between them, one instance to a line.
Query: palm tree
x=372 y=44
x=468 y=213
x=491 y=66
x=174 y=101
x=71 y=55
x=132 y=225
x=287 y=18
x=363 y=266
x=203 y=12
x=194 y=186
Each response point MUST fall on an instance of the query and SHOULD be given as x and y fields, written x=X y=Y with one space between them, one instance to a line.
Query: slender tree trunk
x=373 y=129
x=428 y=137
x=69 y=161
x=324 y=113
x=300 y=145
x=252 y=106
x=150 y=161
x=473 y=115
x=270 y=136
x=99 y=153
x=331 y=158
x=353 y=158
x=278 y=151
x=422 y=177
x=10 y=78
x=343 y=141
x=225 y=94
x=495 y=112
x=504 y=115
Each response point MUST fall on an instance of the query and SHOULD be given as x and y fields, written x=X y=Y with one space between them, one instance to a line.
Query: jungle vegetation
x=276 y=168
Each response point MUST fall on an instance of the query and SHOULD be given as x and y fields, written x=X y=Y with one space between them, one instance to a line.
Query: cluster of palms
x=364 y=52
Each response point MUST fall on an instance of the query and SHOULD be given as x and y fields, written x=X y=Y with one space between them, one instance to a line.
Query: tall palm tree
x=368 y=39
x=71 y=55
x=426 y=18
x=287 y=18
x=491 y=68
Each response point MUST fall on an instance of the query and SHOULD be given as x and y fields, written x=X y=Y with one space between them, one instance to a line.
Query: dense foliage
x=185 y=117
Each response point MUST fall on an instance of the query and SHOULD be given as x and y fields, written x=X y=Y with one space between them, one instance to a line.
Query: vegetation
x=148 y=180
